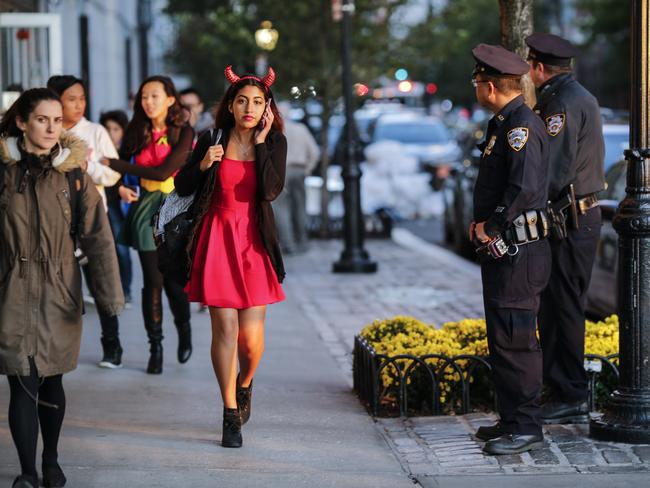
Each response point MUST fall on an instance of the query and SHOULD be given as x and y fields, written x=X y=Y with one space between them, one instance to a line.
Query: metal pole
x=627 y=417
x=354 y=259
x=144 y=24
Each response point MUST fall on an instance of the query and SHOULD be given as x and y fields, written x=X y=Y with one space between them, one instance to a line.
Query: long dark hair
x=22 y=108
x=224 y=119
x=138 y=132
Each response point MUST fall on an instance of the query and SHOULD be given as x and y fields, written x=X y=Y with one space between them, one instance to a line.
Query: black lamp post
x=627 y=417
x=354 y=258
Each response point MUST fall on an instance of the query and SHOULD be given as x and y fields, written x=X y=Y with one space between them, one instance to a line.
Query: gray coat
x=40 y=281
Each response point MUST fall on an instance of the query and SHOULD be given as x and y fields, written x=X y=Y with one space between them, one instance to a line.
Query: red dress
x=231 y=267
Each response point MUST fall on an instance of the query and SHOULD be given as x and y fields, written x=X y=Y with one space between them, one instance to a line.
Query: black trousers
x=516 y=359
x=562 y=310
x=511 y=289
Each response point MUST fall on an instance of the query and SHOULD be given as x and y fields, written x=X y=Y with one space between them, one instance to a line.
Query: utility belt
x=568 y=206
x=530 y=226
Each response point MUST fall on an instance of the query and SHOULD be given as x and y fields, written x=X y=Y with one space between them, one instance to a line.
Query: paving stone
x=405 y=442
x=628 y=468
x=474 y=470
x=616 y=456
x=509 y=460
x=544 y=456
x=581 y=459
x=543 y=469
x=565 y=438
x=643 y=452
x=577 y=448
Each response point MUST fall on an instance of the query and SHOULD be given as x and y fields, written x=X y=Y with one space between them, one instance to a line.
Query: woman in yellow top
x=158 y=140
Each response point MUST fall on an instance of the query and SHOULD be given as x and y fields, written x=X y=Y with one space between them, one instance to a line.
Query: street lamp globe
x=266 y=37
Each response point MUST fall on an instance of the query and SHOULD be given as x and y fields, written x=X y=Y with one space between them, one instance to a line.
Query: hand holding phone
x=265 y=123
x=262 y=122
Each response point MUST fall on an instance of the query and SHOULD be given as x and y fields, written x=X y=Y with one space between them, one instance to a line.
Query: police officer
x=573 y=123
x=509 y=198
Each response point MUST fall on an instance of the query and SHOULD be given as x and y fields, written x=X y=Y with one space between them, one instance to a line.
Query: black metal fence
x=431 y=374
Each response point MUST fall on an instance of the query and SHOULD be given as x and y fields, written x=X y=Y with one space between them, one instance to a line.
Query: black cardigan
x=270 y=162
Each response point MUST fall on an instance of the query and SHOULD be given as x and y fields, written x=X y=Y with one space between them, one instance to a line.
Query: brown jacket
x=40 y=281
x=270 y=163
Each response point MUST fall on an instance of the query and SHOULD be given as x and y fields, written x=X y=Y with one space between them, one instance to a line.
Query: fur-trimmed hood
x=72 y=155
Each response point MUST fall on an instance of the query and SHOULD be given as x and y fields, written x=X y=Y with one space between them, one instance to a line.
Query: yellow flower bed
x=407 y=335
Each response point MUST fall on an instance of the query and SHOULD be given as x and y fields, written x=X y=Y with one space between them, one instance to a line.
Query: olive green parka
x=40 y=281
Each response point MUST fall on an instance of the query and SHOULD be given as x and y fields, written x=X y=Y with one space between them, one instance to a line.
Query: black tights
x=25 y=416
x=154 y=279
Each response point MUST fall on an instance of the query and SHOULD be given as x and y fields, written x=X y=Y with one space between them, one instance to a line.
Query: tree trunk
x=516 y=25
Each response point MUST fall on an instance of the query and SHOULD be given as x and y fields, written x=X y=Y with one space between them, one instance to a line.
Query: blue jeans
x=116 y=219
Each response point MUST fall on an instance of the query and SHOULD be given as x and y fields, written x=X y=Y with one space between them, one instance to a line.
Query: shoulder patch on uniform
x=554 y=124
x=517 y=138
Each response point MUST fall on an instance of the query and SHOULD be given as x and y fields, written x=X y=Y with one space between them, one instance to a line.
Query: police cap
x=498 y=61
x=550 y=49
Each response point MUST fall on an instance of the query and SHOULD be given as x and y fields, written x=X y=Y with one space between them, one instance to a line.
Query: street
x=124 y=427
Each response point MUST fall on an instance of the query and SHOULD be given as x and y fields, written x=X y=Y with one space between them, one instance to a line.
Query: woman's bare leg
x=225 y=329
x=251 y=342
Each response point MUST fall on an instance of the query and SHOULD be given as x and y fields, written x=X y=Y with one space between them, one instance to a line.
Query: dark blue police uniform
x=512 y=180
x=571 y=116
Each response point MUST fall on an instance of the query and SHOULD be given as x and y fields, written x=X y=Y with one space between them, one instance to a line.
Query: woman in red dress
x=236 y=262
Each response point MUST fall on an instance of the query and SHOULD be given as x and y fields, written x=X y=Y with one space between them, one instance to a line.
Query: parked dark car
x=601 y=298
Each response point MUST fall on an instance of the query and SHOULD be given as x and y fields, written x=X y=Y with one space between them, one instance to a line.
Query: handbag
x=173 y=224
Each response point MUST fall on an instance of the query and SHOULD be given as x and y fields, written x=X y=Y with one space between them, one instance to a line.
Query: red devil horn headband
x=267 y=81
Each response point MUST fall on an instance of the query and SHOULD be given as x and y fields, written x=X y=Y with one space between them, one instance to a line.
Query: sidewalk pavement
x=307 y=429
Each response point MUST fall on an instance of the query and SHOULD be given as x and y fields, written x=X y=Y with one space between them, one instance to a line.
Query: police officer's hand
x=479 y=232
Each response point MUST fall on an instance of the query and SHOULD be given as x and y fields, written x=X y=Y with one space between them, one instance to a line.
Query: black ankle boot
x=231 y=434
x=155 y=364
x=152 y=313
x=112 y=357
x=184 y=342
x=53 y=476
x=25 y=481
x=244 y=396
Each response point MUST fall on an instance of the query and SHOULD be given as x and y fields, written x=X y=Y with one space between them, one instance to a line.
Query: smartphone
x=262 y=122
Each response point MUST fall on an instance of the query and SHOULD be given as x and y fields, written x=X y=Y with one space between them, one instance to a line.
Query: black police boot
x=513 y=444
x=558 y=412
x=152 y=313
x=231 y=433
x=25 y=481
x=488 y=432
x=112 y=358
x=184 y=341
x=244 y=396
x=53 y=476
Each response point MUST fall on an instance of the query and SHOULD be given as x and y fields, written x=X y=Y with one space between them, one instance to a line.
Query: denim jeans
x=116 y=219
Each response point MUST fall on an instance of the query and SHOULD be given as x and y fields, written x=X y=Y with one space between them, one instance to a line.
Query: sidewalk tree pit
x=403 y=366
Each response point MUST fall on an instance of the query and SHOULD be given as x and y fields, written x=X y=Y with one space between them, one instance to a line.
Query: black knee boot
x=152 y=313
x=180 y=308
